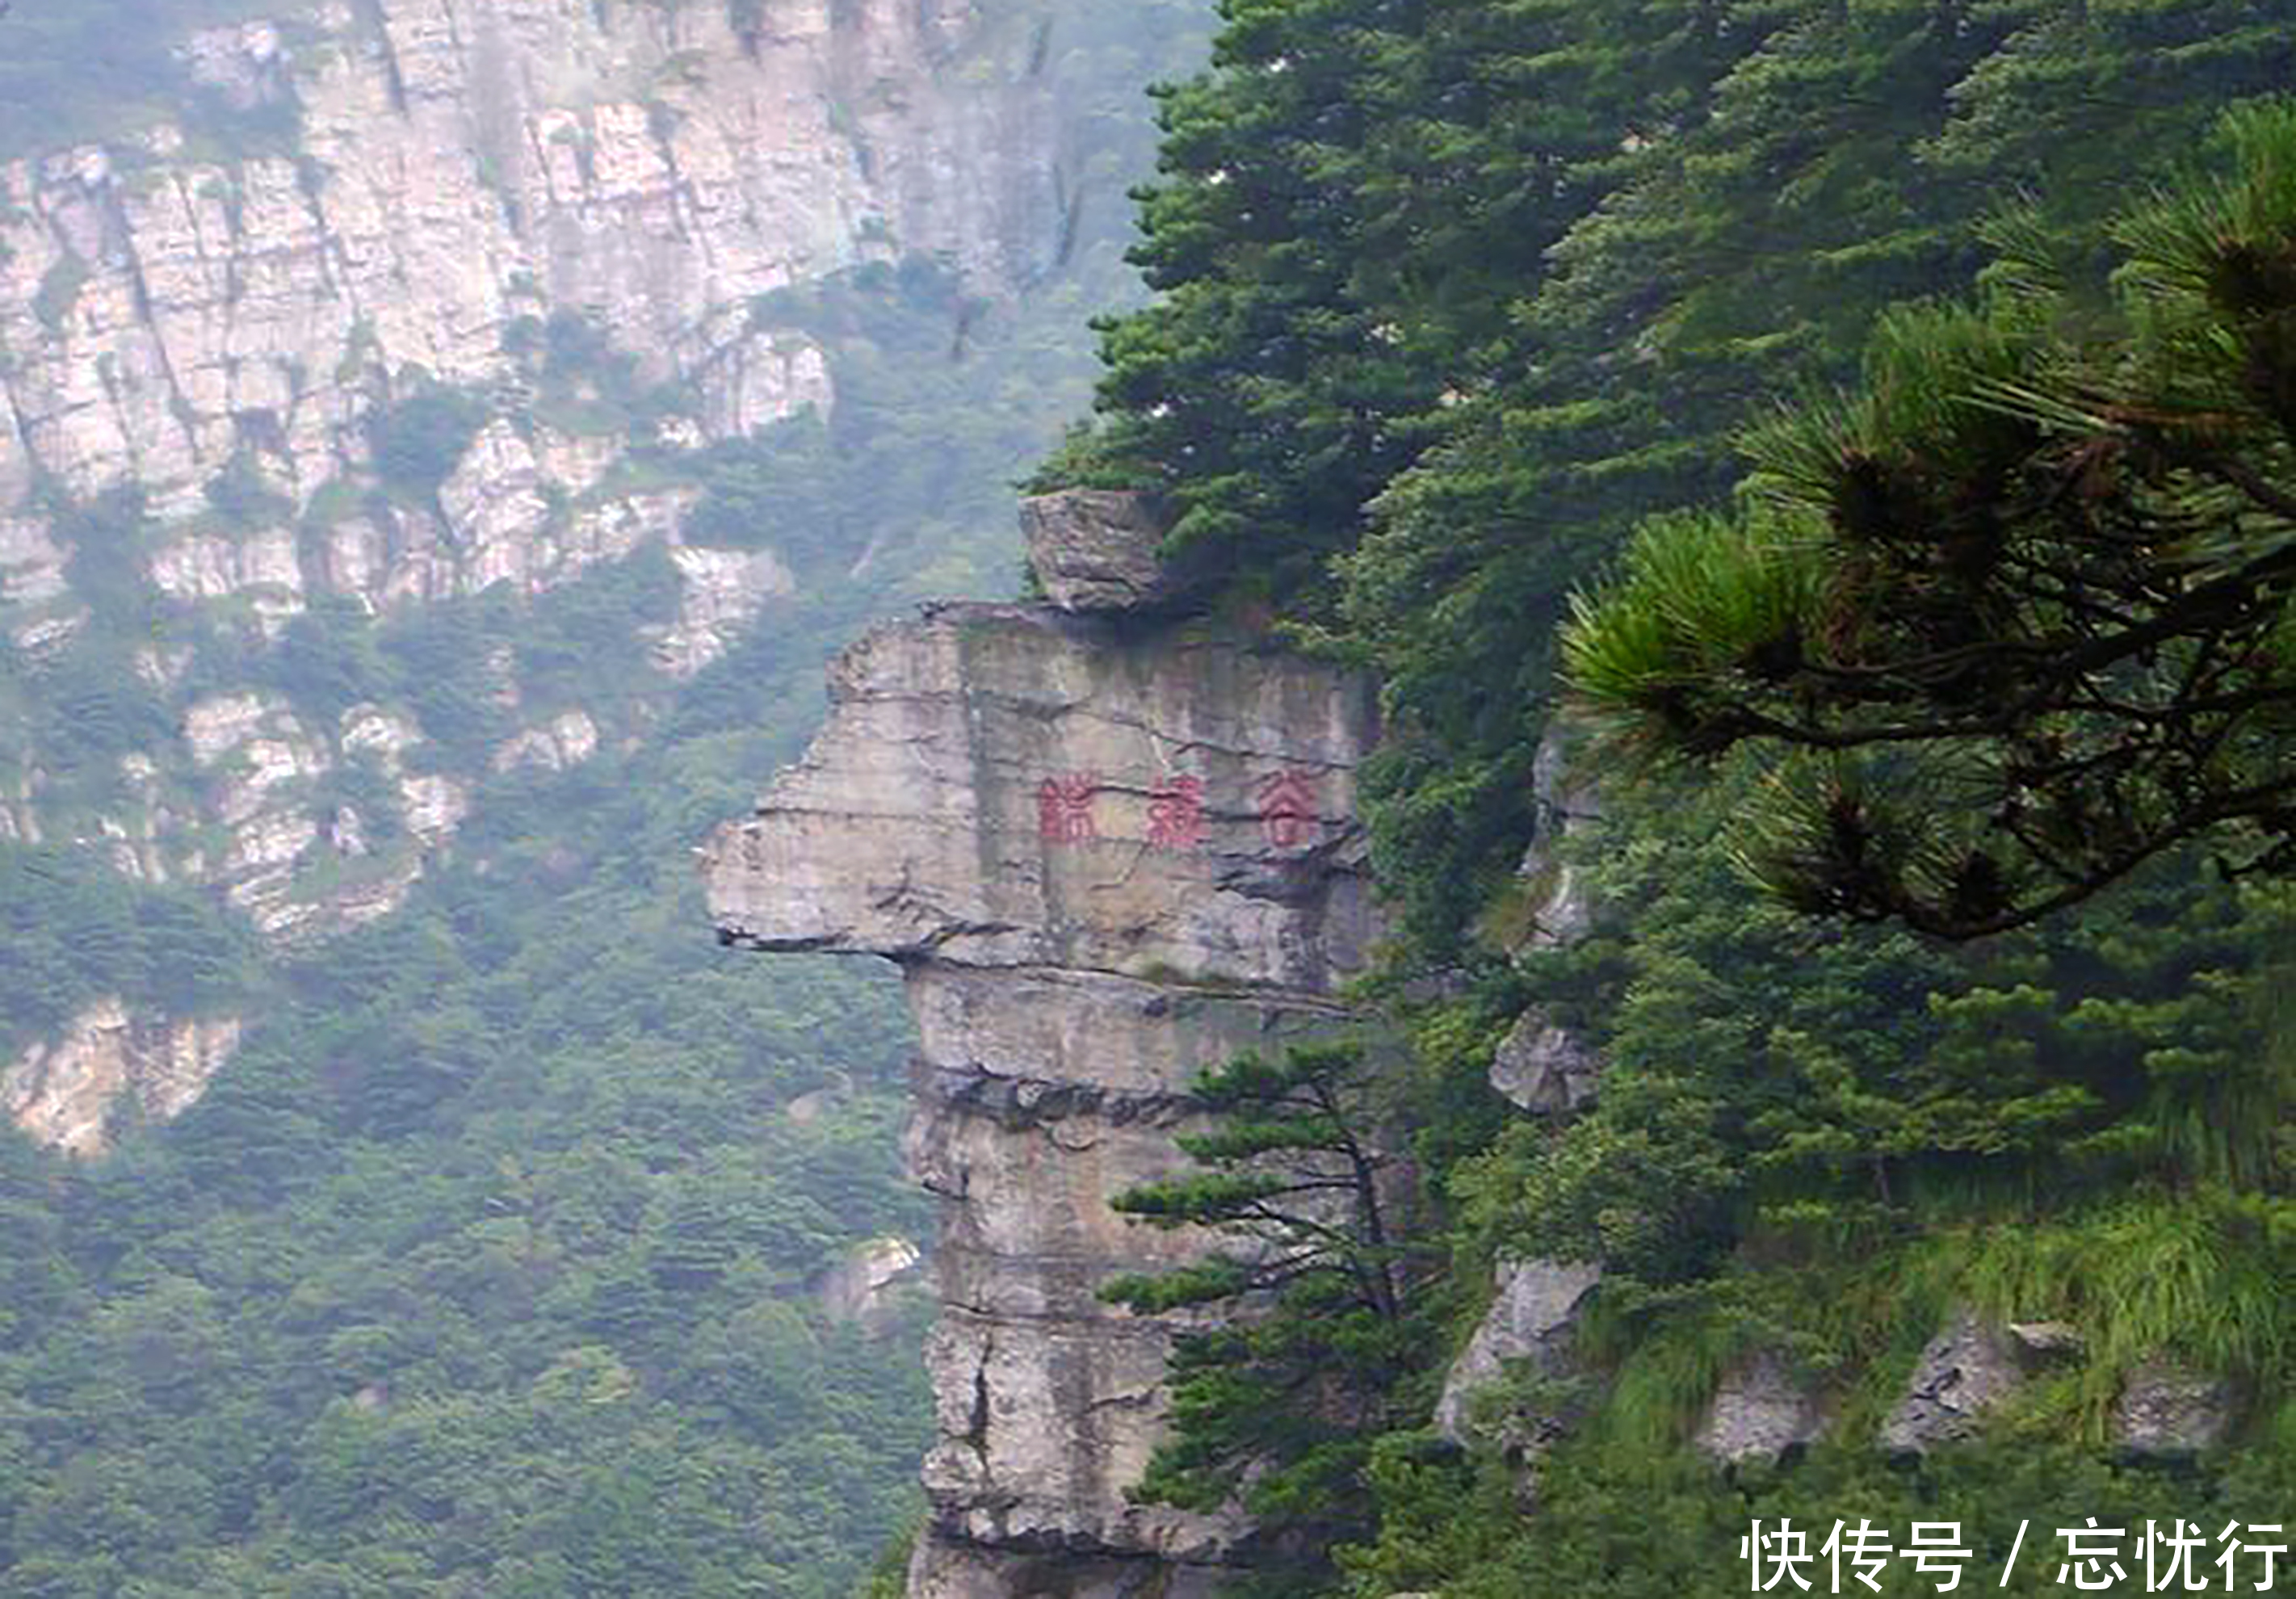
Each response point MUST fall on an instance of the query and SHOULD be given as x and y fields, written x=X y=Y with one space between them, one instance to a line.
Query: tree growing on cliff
x=1318 y=1289
x=2021 y=616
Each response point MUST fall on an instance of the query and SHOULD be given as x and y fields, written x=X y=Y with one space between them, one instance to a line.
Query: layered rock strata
x=457 y=165
x=1106 y=854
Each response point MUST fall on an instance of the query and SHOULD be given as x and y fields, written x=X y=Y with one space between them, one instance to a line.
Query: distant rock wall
x=389 y=195
x=65 y=1092
x=461 y=164
x=1107 y=852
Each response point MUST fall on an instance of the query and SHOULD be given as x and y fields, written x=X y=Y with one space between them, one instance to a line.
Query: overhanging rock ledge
x=1108 y=850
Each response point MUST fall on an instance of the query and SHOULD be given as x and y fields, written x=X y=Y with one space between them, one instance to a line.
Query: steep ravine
x=1107 y=849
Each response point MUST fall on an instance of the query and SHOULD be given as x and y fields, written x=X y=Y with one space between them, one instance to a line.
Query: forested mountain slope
x=446 y=439
x=1736 y=1212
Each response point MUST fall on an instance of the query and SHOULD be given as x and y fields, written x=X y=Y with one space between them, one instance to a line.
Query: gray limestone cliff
x=1106 y=852
x=65 y=1092
x=460 y=163
x=359 y=204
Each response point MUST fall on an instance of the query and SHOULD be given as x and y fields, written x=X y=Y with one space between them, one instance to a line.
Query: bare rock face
x=1566 y=803
x=1105 y=861
x=464 y=163
x=1540 y=1067
x=1096 y=549
x=2164 y=1409
x=1762 y=1410
x=565 y=741
x=1966 y=1370
x=1002 y=786
x=1531 y=1319
x=719 y=592
x=224 y=333
x=62 y=1092
x=865 y=1286
x=1544 y=1069
x=227 y=315
x=2167 y=1410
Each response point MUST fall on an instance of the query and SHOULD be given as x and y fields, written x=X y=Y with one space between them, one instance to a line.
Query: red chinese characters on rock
x=1176 y=814
x=1288 y=808
x=1065 y=808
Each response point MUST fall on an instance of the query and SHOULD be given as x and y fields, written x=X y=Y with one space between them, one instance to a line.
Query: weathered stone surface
x=865 y=1286
x=1532 y=1318
x=435 y=807
x=31 y=564
x=953 y=1568
x=1188 y=886
x=721 y=591
x=1544 y=1069
x=566 y=740
x=1056 y=1026
x=2166 y=1410
x=1567 y=804
x=757 y=379
x=246 y=64
x=223 y=333
x=2038 y=1342
x=1540 y=1067
x=913 y=827
x=1096 y=549
x=63 y=1091
x=261 y=566
x=1761 y=1408
x=1966 y=1370
x=386 y=735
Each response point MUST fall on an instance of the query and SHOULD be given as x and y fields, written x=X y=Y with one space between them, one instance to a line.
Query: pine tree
x=1319 y=1284
x=2022 y=609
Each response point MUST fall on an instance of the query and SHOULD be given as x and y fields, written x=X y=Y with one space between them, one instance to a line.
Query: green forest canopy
x=2024 y=610
x=1454 y=295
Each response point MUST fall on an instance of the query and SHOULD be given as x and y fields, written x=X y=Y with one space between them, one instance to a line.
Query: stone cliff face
x=460 y=164
x=373 y=200
x=1107 y=850
x=64 y=1093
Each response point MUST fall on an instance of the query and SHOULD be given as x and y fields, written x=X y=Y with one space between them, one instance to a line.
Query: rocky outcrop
x=64 y=1092
x=1540 y=1067
x=1965 y=1372
x=370 y=201
x=1762 y=1410
x=2167 y=1410
x=564 y=741
x=865 y=1287
x=2163 y=1409
x=1568 y=805
x=720 y=592
x=566 y=224
x=1097 y=550
x=1530 y=1324
x=1544 y=1069
x=1106 y=855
